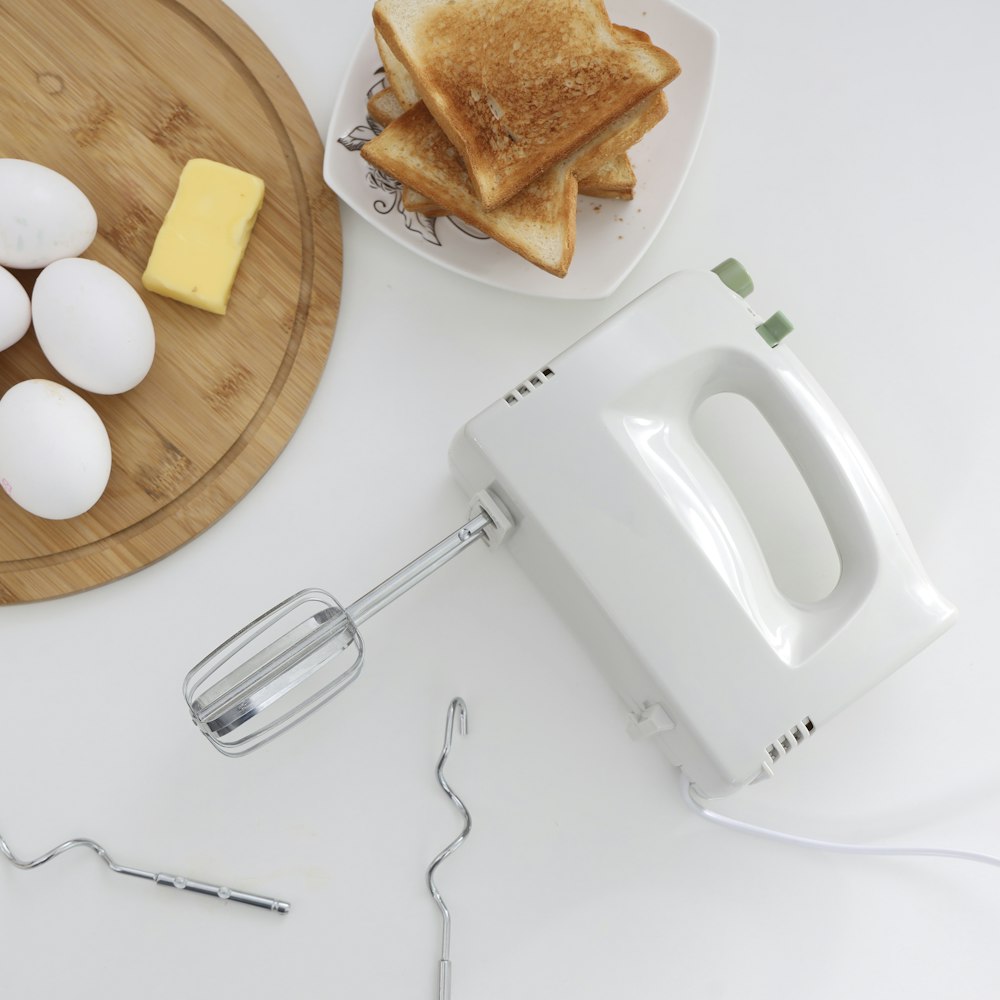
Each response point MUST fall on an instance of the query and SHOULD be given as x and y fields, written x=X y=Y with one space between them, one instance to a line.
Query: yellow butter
x=204 y=235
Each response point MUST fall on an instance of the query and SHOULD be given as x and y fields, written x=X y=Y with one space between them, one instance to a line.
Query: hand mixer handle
x=882 y=588
x=858 y=513
x=861 y=517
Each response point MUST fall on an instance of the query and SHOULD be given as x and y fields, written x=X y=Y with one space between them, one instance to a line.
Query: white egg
x=43 y=216
x=92 y=325
x=15 y=310
x=55 y=455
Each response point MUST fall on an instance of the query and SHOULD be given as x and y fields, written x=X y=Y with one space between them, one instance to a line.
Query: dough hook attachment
x=444 y=974
x=158 y=878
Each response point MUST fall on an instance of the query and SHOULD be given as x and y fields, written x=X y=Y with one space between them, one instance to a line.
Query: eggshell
x=92 y=325
x=15 y=310
x=43 y=215
x=55 y=455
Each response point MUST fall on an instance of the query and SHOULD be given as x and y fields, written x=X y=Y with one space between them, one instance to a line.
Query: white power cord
x=825 y=845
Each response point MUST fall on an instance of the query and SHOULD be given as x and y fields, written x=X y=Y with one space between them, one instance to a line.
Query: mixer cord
x=688 y=794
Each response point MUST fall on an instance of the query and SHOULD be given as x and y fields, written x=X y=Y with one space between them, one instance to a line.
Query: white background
x=851 y=160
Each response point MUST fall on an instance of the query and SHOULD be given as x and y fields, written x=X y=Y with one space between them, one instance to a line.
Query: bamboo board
x=117 y=96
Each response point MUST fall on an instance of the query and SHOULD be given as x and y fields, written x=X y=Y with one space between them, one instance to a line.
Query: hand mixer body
x=631 y=532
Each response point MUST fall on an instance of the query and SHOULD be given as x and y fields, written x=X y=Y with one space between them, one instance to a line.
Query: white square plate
x=611 y=235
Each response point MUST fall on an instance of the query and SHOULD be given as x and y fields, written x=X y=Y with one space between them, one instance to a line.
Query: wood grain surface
x=117 y=96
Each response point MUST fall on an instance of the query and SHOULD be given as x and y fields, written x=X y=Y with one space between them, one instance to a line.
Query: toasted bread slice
x=395 y=72
x=520 y=85
x=402 y=85
x=384 y=106
x=539 y=223
x=414 y=201
x=614 y=179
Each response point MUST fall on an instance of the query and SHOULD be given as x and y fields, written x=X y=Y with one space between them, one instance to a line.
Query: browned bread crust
x=539 y=223
x=395 y=72
x=384 y=106
x=519 y=85
x=614 y=179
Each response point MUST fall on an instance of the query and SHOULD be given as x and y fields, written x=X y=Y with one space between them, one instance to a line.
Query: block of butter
x=204 y=235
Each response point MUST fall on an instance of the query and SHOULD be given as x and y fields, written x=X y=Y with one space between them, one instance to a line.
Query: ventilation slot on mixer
x=531 y=384
x=789 y=739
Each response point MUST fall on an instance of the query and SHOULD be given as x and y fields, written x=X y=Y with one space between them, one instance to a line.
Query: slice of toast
x=539 y=223
x=614 y=179
x=401 y=83
x=384 y=106
x=414 y=201
x=395 y=72
x=519 y=85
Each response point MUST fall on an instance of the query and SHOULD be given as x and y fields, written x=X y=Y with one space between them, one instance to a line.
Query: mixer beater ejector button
x=652 y=719
x=735 y=277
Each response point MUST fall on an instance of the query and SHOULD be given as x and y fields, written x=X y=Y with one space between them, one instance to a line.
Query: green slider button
x=734 y=276
x=775 y=329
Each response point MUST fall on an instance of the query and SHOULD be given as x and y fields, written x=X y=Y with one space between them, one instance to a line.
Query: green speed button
x=775 y=329
x=734 y=276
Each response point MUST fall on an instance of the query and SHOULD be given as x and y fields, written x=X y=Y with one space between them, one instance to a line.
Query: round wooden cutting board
x=118 y=96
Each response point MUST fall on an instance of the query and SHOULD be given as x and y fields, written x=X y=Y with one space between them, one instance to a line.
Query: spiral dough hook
x=159 y=878
x=444 y=977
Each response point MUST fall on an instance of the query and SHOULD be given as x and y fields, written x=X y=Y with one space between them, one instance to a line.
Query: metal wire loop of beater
x=296 y=650
x=444 y=974
x=159 y=878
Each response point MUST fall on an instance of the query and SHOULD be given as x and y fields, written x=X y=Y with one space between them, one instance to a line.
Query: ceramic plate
x=612 y=235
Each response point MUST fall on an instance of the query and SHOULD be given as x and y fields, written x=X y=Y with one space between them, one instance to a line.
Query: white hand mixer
x=590 y=474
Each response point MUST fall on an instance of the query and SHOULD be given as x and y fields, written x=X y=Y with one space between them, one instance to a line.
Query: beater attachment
x=309 y=646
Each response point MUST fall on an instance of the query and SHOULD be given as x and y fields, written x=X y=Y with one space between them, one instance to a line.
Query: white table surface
x=851 y=160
